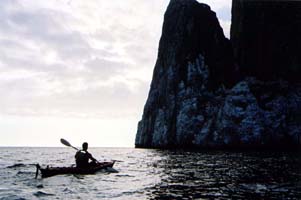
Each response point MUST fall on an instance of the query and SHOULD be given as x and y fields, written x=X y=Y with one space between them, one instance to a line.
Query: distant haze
x=79 y=69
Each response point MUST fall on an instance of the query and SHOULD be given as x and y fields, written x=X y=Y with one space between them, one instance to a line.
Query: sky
x=78 y=69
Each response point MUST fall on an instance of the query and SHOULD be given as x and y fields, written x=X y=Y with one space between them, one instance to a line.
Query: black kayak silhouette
x=52 y=171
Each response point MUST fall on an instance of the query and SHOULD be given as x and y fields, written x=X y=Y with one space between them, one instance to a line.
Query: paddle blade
x=65 y=142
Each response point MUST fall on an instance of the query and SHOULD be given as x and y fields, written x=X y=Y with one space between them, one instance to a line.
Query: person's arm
x=92 y=158
x=76 y=155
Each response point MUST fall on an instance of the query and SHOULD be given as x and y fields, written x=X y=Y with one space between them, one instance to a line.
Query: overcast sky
x=79 y=69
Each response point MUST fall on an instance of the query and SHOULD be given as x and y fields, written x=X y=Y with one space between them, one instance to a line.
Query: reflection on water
x=154 y=174
x=225 y=175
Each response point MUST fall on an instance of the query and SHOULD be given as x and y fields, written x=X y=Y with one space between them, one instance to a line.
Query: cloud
x=80 y=58
x=103 y=69
x=117 y=100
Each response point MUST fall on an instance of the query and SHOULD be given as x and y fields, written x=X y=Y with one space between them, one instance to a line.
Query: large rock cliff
x=266 y=38
x=198 y=97
x=194 y=56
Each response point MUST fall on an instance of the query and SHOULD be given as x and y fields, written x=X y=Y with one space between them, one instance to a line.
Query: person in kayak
x=82 y=157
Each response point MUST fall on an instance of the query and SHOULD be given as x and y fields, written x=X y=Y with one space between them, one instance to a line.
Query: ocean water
x=153 y=174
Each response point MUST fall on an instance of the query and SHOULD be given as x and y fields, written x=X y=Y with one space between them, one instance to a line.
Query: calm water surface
x=153 y=174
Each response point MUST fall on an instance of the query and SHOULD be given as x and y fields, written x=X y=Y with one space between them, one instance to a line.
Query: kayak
x=52 y=171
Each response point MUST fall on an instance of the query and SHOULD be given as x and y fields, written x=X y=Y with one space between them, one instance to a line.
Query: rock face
x=266 y=38
x=194 y=56
x=260 y=114
x=199 y=98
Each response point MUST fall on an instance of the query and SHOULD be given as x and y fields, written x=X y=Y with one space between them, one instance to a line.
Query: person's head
x=85 y=146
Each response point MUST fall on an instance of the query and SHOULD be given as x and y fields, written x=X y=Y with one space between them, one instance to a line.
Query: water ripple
x=154 y=174
x=42 y=194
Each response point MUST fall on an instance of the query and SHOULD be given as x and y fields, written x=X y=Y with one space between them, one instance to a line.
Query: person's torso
x=82 y=156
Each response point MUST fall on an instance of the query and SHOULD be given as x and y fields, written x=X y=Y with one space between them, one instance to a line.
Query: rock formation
x=199 y=98
x=266 y=38
x=194 y=56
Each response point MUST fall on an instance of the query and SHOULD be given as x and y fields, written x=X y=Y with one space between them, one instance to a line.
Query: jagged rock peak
x=194 y=60
x=187 y=2
x=191 y=28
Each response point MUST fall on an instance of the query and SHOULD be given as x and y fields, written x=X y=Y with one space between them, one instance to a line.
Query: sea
x=153 y=174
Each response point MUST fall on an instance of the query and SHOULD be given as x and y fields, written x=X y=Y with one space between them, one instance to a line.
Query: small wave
x=4 y=189
x=130 y=192
x=12 y=197
x=68 y=191
x=17 y=165
x=111 y=170
x=124 y=175
x=41 y=194
x=24 y=172
x=109 y=181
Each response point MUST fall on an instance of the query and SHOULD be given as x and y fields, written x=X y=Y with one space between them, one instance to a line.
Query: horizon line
x=16 y=146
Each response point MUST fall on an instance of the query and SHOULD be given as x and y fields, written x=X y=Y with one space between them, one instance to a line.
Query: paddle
x=66 y=143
